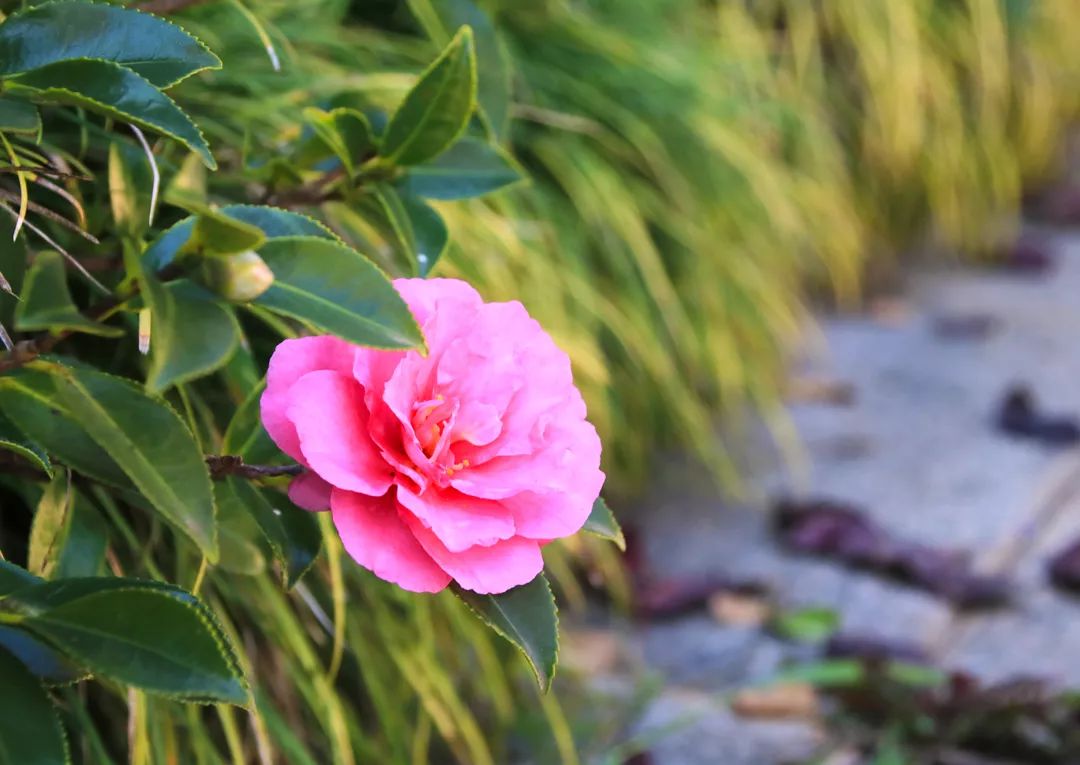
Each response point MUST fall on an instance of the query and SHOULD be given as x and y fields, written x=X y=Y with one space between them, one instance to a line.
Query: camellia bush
x=199 y=191
x=193 y=369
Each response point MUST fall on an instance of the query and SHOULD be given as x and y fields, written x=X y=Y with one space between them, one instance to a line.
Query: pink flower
x=457 y=465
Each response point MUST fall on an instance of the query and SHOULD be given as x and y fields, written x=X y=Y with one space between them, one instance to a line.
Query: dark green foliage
x=30 y=732
x=526 y=617
x=150 y=559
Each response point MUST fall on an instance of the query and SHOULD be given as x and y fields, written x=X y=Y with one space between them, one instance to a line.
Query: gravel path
x=917 y=449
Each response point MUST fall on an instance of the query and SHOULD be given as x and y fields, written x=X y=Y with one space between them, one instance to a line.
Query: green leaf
x=274 y=223
x=807 y=625
x=30 y=399
x=430 y=237
x=216 y=233
x=14 y=440
x=241 y=375
x=114 y=91
x=337 y=290
x=131 y=183
x=242 y=542
x=826 y=673
x=154 y=636
x=245 y=435
x=602 y=523
x=346 y=133
x=18 y=116
x=412 y=227
x=193 y=333
x=527 y=617
x=440 y=18
x=917 y=675
x=163 y=251
x=437 y=109
x=150 y=442
x=293 y=534
x=14 y=578
x=30 y=731
x=188 y=187
x=46 y=301
x=41 y=659
x=158 y=50
x=277 y=223
x=68 y=537
x=470 y=168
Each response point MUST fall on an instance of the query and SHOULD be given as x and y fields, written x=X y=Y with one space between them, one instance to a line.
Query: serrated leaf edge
x=203 y=151
x=129 y=9
x=544 y=683
x=14 y=383
x=186 y=600
x=50 y=366
x=422 y=346
x=330 y=232
x=205 y=369
x=466 y=35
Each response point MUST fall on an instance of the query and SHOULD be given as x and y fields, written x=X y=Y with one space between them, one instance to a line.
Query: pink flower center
x=433 y=423
x=429 y=420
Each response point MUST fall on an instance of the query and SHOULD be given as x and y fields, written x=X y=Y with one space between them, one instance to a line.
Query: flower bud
x=239 y=278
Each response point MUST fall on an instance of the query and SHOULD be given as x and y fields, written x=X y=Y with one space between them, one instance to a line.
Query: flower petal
x=331 y=421
x=569 y=462
x=292 y=360
x=376 y=538
x=458 y=520
x=310 y=492
x=485 y=570
x=549 y=516
x=424 y=295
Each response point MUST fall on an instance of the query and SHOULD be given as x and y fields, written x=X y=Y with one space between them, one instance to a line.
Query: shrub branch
x=225 y=465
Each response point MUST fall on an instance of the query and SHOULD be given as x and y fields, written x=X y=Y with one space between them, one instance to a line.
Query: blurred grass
x=698 y=170
x=696 y=167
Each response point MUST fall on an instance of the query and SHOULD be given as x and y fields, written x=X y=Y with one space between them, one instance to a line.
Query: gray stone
x=686 y=728
x=917 y=448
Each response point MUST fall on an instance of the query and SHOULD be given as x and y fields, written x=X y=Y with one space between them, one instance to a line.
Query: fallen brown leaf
x=783 y=701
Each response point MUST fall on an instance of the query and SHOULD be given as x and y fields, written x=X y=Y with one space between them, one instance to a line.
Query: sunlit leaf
x=440 y=19
x=346 y=133
x=130 y=187
x=437 y=109
x=68 y=537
